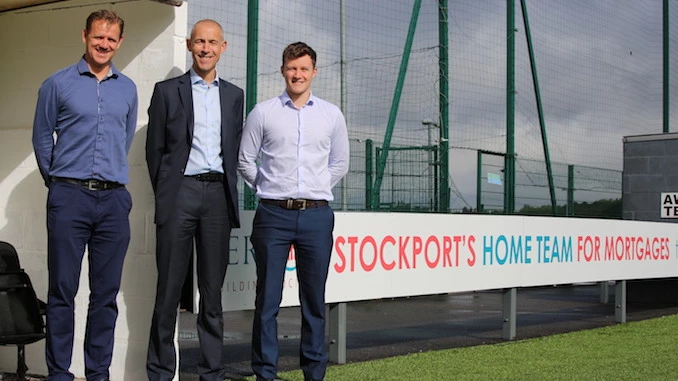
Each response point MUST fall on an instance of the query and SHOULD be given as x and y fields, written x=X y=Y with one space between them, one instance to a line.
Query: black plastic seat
x=21 y=313
x=9 y=259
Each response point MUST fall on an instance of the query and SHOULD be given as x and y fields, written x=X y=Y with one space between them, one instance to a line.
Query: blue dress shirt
x=94 y=122
x=205 y=155
x=304 y=152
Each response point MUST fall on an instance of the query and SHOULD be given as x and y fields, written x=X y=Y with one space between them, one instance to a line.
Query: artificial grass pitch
x=644 y=350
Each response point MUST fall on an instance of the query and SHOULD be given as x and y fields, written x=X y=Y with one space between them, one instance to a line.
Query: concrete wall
x=650 y=163
x=35 y=43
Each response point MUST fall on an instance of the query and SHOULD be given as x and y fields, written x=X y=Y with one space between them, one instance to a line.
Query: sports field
x=643 y=350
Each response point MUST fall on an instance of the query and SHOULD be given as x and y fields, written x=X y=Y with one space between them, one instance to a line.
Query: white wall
x=35 y=44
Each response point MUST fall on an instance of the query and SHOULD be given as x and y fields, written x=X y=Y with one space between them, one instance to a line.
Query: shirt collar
x=285 y=99
x=83 y=68
x=195 y=78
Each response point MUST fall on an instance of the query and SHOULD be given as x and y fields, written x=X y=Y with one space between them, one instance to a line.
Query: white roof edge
x=651 y=137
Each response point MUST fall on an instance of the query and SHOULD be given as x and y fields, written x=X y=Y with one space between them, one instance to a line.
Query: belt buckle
x=91 y=184
x=302 y=204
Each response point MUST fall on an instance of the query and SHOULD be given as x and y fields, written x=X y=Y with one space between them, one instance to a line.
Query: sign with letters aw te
x=669 y=205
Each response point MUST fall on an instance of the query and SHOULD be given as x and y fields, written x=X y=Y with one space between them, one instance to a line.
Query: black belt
x=295 y=204
x=91 y=184
x=212 y=177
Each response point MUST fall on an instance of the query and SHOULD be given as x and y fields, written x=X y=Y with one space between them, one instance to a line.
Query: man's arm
x=339 y=151
x=155 y=138
x=132 y=120
x=250 y=144
x=44 y=124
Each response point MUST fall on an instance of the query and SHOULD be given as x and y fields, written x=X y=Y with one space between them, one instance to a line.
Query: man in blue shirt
x=194 y=128
x=85 y=119
x=302 y=142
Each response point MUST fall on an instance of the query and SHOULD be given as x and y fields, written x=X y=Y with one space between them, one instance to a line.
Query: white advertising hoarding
x=380 y=255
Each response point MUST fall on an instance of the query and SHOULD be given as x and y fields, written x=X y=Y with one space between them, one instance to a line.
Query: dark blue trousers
x=98 y=219
x=274 y=230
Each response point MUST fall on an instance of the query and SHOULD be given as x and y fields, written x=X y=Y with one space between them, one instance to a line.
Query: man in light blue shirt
x=302 y=143
x=194 y=129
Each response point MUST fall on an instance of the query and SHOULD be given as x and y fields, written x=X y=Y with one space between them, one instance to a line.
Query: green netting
x=599 y=66
x=583 y=184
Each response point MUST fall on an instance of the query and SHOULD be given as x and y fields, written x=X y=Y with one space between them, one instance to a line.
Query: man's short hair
x=296 y=50
x=107 y=15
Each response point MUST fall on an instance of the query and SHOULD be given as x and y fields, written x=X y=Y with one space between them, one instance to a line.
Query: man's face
x=206 y=46
x=298 y=74
x=101 y=43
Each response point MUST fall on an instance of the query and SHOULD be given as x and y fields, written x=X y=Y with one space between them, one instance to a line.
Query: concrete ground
x=385 y=328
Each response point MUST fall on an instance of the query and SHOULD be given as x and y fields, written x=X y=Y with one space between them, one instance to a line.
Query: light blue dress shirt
x=205 y=155
x=303 y=152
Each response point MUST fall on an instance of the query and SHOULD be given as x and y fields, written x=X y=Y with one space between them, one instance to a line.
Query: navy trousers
x=99 y=219
x=201 y=214
x=274 y=230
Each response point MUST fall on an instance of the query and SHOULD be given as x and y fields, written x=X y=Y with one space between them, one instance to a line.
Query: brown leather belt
x=213 y=177
x=295 y=204
x=91 y=184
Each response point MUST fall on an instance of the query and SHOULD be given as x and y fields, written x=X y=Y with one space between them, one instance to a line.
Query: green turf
x=645 y=350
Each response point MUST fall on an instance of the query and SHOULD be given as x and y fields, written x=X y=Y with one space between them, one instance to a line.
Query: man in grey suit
x=194 y=128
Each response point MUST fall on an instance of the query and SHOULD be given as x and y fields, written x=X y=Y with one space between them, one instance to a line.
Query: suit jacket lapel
x=186 y=98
